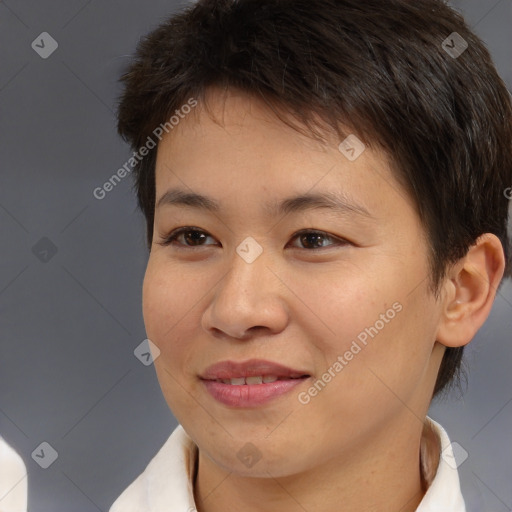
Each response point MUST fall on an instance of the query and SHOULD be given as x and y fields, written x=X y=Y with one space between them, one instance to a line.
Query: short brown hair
x=381 y=68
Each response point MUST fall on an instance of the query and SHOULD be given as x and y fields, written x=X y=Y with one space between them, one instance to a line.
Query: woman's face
x=335 y=295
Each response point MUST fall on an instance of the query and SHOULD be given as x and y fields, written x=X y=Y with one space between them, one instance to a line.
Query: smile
x=259 y=379
x=251 y=383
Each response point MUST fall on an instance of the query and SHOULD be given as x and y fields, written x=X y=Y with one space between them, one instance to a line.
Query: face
x=330 y=297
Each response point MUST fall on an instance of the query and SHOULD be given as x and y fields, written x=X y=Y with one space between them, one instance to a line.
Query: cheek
x=371 y=319
x=169 y=304
x=339 y=304
x=168 y=299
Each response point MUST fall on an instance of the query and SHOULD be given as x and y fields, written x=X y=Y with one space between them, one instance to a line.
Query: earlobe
x=470 y=289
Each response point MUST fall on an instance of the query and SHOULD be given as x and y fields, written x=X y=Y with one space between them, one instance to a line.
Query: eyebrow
x=336 y=202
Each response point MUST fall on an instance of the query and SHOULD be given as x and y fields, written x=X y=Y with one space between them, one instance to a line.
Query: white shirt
x=13 y=480
x=167 y=482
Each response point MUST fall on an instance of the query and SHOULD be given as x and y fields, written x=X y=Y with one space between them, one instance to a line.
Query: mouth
x=251 y=383
x=257 y=379
x=251 y=371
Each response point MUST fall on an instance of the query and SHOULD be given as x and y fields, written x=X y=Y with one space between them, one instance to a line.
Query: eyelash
x=172 y=237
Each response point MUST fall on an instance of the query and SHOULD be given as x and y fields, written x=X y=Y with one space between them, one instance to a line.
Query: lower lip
x=250 y=395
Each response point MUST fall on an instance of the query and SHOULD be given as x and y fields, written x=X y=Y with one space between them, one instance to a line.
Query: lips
x=234 y=371
x=250 y=384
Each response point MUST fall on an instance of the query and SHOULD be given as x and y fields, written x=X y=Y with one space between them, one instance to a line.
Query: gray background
x=69 y=325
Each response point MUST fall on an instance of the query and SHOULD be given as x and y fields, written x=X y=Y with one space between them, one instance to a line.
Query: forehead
x=238 y=145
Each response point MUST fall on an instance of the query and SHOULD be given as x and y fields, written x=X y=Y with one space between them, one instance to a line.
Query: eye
x=311 y=239
x=187 y=237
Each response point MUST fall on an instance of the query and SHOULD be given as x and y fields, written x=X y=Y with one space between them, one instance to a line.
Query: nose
x=247 y=302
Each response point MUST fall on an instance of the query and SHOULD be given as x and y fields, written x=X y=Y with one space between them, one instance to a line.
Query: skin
x=356 y=442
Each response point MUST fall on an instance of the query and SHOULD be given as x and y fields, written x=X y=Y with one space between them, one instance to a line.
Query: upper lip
x=250 y=368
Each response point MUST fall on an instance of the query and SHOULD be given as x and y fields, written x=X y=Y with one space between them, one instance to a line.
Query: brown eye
x=316 y=240
x=187 y=237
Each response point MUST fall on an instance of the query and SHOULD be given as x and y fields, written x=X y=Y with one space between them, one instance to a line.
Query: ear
x=469 y=291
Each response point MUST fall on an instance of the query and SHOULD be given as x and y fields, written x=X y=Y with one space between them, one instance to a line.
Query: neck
x=382 y=474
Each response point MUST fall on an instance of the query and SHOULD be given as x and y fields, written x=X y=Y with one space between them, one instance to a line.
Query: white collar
x=168 y=480
x=444 y=492
x=13 y=480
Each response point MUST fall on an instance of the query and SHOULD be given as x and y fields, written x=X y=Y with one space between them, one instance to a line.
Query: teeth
x=254 y=380
x=240 y=381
